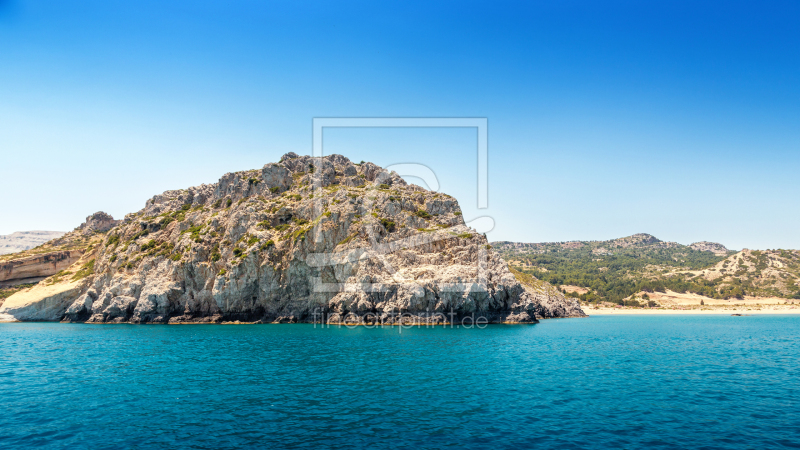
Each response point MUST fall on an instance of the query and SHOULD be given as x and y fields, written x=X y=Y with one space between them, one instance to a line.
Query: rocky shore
x=301 y=240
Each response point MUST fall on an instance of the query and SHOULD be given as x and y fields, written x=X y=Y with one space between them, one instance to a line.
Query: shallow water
x=603 y=382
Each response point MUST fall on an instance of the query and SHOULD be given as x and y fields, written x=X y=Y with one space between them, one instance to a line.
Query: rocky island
x=302 y=240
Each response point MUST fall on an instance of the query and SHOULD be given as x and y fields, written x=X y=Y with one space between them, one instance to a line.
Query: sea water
x=602 y=382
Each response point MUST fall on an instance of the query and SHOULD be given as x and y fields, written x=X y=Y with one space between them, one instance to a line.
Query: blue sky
x=605 y=118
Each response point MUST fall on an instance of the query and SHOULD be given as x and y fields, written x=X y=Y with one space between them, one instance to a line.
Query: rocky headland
x=302 y=240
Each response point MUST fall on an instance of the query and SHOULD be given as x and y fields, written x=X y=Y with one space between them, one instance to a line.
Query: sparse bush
x=85 y=270
x=113 y=240
x=140 y=234
x=388 y=225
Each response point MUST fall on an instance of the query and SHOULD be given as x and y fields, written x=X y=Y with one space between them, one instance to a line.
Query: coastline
x=744 y=310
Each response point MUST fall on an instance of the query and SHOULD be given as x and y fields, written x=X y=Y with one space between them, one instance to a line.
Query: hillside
x=301 y=240
x=624 y=270
x=24 y=240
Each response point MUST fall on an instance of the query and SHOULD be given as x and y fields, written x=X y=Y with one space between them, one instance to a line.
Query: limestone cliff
x=305 y=239
x=36 y=267
x=55 y=255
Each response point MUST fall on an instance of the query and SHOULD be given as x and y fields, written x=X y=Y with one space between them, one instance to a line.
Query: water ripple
x=610 y=382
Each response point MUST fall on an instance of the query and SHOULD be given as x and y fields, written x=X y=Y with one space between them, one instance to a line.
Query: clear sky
x=606 y=118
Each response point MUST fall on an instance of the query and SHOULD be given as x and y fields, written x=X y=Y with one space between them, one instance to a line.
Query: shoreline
x=750 y=311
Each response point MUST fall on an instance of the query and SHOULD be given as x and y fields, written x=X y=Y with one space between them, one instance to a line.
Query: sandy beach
x=743 y=310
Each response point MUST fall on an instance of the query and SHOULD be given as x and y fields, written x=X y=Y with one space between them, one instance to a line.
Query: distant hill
x=25 y=240
x=620 y=269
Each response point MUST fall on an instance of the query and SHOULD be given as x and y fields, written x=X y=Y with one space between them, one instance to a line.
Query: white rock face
x=25 y=240
x=304 y=240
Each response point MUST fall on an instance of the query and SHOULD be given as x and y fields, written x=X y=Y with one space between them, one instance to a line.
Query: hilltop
x=625 y=270
x=24 y=240
x=302 y=240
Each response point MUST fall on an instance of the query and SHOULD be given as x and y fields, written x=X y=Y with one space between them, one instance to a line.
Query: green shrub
x=275 y=189
x=299 y=234
x=186 y=207
x=217 y=204
x=228 y=203
x=215 y=256
x=85 y=270
x=222 y=272
x=458 y=213
x=140 y=234
x=388 y=224
x=253 y=181
x=113 y=258
x=422 y=213
x=113 y=240
x=267 y=245
x=252 y=240
x=383 y=186
x=237 y=252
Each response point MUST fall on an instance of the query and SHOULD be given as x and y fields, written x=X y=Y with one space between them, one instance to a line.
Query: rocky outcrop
x=37 y=267
x=24 y=240
x=45 y=302
x=98 y=222
x=302 y=240
x=713 y=247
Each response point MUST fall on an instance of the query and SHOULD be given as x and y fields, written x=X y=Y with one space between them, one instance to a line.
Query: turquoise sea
x=662 y=382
